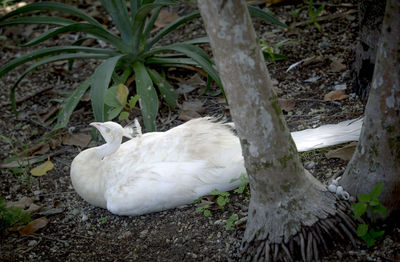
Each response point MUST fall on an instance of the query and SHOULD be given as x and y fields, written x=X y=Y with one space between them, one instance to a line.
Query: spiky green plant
x=133 y=52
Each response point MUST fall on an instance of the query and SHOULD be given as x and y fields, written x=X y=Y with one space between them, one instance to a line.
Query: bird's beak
x=95 y=124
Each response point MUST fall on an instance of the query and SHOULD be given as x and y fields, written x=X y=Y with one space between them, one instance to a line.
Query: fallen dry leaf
x=23 y=203
x=187 y=115
x=287 y=104
x=195 y=105
x=165 y=18
x=38 y=149
x=33 y=208
x=22 y=162
x=337 y=64
x=33 y=226
x=42 y=169
x=78 y=139
x=345 y=153
x=335 y=95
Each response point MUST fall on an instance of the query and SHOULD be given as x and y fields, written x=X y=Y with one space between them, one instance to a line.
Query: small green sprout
x=230 y=222
x=371 y=204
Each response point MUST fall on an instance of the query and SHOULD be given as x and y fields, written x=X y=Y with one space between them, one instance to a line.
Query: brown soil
x=78 y=231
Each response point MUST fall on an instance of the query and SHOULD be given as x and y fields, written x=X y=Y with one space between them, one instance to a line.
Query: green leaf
x=374 y=202
x=368 y=240
x=124 y=115
x=196 y=41
x=221 y=201
x=170 y=27
x=132 y=101
x=150 y=23
x=362 y=230
x=376 y=234
x=257 y=12
x=50 y=51
x=94 y=30
x=140 y=20
x=207 y=213
x=110 y=98
x=100 y=82
x=195 y=53
x=50 y=20
x=170 y=62
x=45 y=61
x=52 y=6
x=113 y=112
x=71 y=103
x=119 y=13
x=364 y=197
x=379 y=209
x=376 y=191
x=166 y=89
x=230 y=222
x=359 y=209
x=148 y=96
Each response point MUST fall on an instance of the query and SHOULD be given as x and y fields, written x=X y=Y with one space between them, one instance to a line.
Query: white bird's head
x=112 y=134
x=109 y=130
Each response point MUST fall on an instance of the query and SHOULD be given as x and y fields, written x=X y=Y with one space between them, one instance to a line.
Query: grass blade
x=166 y=89
x=50 y=20
x=148 y=96
x=70 y=104
x=140 y=19
x=97 y=31
x=195 y=53
x=173 y=61
x=119 y=13
x=45 y=61
x=52 y=6
x=50 y=51
x=100 y=82
x=257 y=12
x=169 y=28
x=150 y=23
x=197 y=41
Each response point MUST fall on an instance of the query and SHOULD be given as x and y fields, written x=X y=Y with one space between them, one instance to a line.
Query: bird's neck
x=108 y=148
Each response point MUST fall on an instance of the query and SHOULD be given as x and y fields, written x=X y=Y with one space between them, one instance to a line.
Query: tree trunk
x=370 y=22
x=285 y=200
x=377 y=158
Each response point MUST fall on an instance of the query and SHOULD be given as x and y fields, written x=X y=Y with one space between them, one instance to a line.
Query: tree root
x=309 y=242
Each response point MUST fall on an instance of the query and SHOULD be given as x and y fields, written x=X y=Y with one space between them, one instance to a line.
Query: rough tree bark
x=377 y=158
x=370 y=19
x=288 y=208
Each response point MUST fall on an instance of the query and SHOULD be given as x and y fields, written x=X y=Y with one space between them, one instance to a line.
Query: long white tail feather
x=327 y=135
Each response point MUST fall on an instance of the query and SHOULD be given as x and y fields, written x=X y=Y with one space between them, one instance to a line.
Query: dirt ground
x=78 y=231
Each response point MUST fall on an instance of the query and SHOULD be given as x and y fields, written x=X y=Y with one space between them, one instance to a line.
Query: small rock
x=32 y=243
x=143 y=233
x=387 y=241
x=75 y=211
x=310 y=164
x=340 y=87
x=84 y=217
x=339 y=254
x=352 y=253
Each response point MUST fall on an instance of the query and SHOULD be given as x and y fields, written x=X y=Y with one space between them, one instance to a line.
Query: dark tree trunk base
x=311 y=243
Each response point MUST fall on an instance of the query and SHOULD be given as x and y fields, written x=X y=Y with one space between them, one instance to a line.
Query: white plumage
x=161 y=170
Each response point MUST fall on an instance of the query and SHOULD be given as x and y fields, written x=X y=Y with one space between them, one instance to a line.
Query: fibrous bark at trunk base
x=285 y=199
x=310 y=243
x=377 y=157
